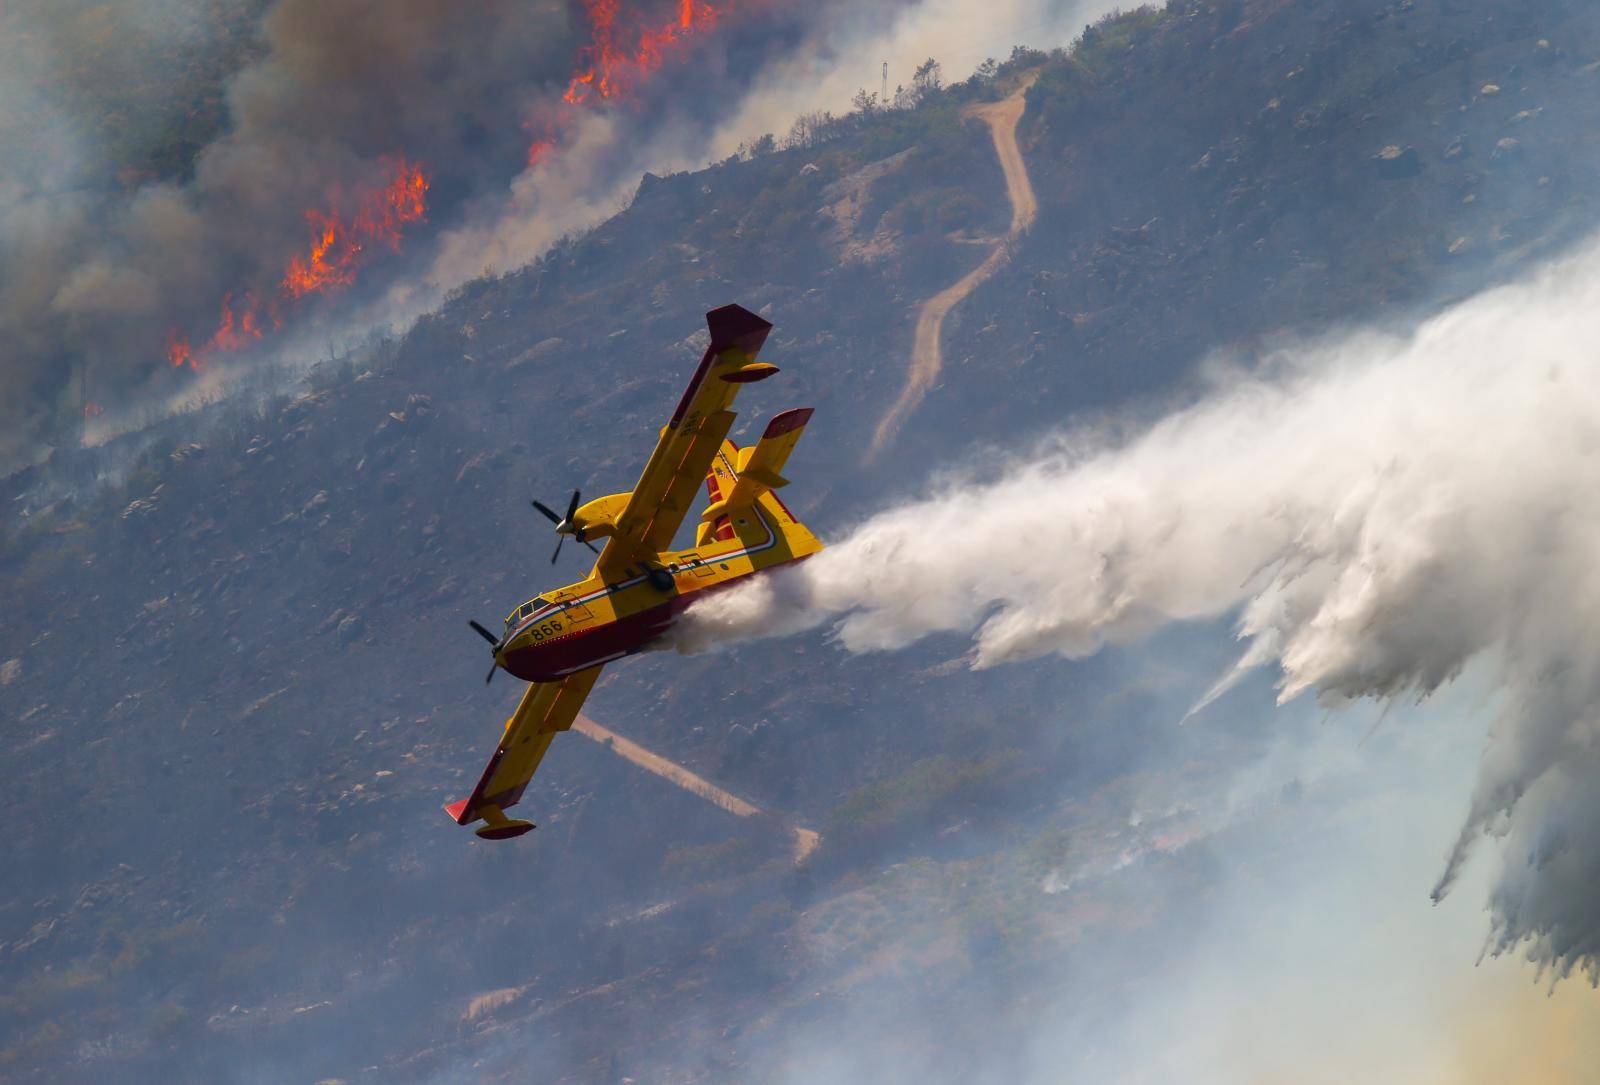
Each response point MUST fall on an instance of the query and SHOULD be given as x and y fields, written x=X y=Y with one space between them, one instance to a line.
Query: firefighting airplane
x=560 y=640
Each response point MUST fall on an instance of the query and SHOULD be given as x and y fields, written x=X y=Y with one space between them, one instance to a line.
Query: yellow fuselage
x=609 y=616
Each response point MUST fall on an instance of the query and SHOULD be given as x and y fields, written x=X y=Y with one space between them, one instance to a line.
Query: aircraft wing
x=678 y=465
x=546 y=708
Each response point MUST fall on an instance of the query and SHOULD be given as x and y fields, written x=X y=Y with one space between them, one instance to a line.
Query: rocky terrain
x=237 y=683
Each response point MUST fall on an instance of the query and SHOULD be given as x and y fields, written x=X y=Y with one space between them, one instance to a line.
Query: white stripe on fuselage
x=545 y=611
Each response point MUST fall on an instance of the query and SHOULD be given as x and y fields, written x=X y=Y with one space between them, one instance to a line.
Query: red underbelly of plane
x=557 y=658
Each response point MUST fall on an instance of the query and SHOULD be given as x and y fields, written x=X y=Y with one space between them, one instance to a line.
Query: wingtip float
x=559 y=641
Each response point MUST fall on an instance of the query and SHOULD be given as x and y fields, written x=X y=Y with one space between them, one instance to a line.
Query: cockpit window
x=526 y=609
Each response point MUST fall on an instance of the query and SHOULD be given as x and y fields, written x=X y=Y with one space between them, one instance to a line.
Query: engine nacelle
x=598 y=518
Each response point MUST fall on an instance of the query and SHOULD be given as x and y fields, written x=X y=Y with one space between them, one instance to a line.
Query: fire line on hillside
x=606 y=69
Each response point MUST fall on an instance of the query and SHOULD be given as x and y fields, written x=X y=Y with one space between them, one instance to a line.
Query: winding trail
x=926 y=361
x=805 y=840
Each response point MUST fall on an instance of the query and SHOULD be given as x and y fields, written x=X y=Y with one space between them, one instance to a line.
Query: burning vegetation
x=624 y=50
x=609 y=68
x=338 y=248
x=626 y=46
x=235 y=329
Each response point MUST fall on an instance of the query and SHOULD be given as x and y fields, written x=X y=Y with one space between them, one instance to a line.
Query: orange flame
x=614 y=64
x=234 y=330
x=179 y=353
x=609 y=68
x=338 y=249
x=617 y=61
x=538 y=149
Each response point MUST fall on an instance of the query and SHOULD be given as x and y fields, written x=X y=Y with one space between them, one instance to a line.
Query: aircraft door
x=694 y=564
x=574 y=610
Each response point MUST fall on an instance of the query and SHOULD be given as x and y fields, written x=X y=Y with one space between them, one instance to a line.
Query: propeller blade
x=557 y=554
x=542 y=507
x=590 y=545
x=490 y=676
x=572 y=506
x=484 y=633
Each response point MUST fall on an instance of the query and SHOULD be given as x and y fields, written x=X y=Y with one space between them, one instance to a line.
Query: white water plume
x=1376 y=511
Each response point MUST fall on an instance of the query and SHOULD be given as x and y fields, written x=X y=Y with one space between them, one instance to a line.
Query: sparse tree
x=928 y=77
x=810 y=129
x=986 y=71
x=1023 y=57
x=864 y=102
x=755 y=148
x=803 y=132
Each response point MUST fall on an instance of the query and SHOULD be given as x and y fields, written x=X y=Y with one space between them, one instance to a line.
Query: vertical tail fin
x=720 y=481
x=741 y=475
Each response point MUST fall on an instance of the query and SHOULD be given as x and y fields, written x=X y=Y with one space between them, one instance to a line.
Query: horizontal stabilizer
x=757 y=469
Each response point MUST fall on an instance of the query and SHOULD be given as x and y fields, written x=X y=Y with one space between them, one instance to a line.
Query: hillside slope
x=237 y=680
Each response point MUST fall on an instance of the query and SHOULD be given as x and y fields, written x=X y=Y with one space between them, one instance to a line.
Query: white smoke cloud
x=847 y=56
x=1377 y=511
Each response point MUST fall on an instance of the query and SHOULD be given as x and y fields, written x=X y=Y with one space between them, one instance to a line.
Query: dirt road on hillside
x=926 y=360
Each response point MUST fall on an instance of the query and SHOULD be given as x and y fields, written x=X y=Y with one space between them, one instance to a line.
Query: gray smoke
x=1379 y=513
x=161 y=155
x=111 y=231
